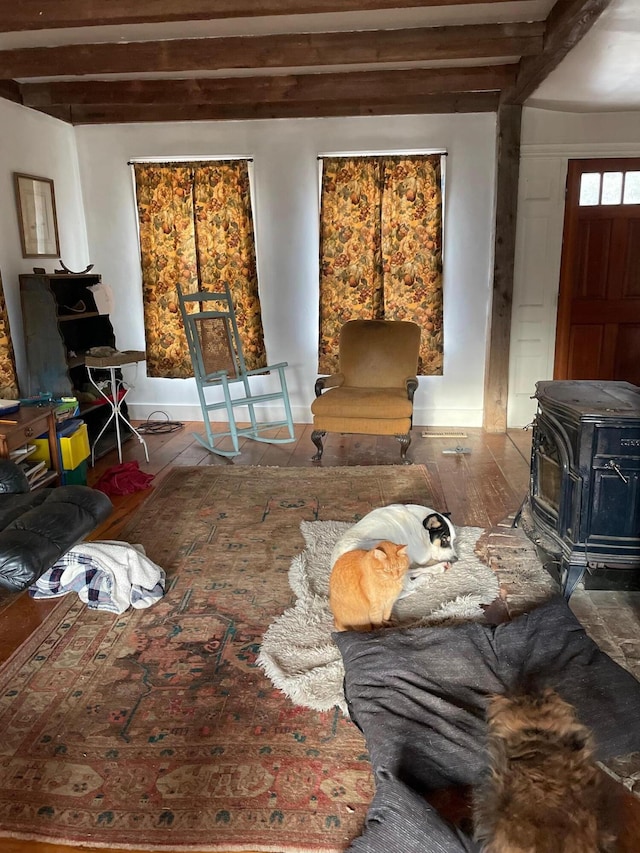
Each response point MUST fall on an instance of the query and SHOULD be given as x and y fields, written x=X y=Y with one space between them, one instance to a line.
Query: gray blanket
x=419 y=695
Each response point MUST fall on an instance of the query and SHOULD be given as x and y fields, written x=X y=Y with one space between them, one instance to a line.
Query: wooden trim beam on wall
x=286 y=50
x=496 y=386
x=40 y=15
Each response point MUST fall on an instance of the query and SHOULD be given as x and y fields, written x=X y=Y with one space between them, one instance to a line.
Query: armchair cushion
x=348 y=402
x=12 y=478
x=378 y=353
x=38 y=527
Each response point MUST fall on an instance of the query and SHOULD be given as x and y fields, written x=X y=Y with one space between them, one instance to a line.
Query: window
x=196 y=228
x=381 y=249
x=598 y=188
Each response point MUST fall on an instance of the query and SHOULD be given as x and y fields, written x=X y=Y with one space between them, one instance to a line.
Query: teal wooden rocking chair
x=218 y=363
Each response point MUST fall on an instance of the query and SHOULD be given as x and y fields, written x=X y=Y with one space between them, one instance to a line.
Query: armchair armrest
x=12 y=478
x=412 y=387
x=324 y=382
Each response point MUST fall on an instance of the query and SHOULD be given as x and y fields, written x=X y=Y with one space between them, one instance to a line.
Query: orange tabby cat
x=364 y=585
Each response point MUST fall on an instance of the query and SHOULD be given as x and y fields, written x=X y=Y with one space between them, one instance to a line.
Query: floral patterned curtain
x=196 y=228
x=381 y=250
x=8 y=379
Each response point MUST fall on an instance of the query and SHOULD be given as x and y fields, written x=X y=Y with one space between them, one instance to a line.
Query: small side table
x=112 y=363
x=26 y=424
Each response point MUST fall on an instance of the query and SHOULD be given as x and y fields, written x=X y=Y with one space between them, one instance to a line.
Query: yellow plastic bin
x=74 y=448
x=41 y=451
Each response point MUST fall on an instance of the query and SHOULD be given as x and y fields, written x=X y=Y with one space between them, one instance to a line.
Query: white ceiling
x=368 y=19
x=602 y=73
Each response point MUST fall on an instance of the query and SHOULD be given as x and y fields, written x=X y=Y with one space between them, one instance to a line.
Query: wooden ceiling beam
x=365 y=86
x=567 y=23
x=42 y=15
x=276 y=51
x=10 y=90
x=465 y=102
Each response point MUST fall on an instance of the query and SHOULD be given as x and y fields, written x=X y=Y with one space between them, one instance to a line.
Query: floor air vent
x=444 y=433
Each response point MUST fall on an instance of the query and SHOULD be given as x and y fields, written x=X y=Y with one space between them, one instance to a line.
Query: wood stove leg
x=517 y=516
x=571 y=577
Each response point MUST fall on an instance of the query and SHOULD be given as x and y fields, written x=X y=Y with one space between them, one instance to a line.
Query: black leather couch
x=37 y=528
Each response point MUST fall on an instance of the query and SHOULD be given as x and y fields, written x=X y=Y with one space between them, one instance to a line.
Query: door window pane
x=589 y=188
x=631 y=188
x=612 y=188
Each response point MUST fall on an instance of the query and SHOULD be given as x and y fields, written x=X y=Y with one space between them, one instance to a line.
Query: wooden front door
x=598 y=327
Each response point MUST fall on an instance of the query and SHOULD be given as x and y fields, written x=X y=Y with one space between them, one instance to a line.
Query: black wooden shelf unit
x=61 y=322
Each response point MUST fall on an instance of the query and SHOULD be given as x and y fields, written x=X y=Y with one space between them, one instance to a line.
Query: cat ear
x=432 y=521
x=402 y=550
x=379 y=554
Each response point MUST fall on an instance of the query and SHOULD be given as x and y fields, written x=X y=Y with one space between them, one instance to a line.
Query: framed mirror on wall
x=36 y=205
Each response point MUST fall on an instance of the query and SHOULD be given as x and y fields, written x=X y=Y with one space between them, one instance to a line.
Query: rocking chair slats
x=218 y=362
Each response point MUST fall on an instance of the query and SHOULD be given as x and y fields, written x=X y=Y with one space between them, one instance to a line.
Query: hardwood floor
x=479 y=487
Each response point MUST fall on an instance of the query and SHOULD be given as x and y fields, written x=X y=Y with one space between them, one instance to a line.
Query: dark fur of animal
x=543 y=792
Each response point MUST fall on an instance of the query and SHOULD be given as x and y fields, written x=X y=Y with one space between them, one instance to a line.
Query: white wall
x=95 y=174
x=549 y=140
x=35 y=144
x=286 y=208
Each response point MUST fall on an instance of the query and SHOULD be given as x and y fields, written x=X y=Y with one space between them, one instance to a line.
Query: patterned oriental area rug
x=156 y=729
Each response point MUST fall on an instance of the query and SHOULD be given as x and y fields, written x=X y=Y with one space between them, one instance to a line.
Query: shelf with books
x=44 y=478
x=33 y=469
x=22 y=453
x=64 y=324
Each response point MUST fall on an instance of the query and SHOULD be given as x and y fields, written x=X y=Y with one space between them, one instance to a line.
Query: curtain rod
x=187 y=160
x=404 y=154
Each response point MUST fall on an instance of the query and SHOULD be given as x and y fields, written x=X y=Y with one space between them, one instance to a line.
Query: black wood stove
x=583 y=506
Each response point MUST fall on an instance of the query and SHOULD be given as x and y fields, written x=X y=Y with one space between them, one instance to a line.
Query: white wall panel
x=285 y=171
x=35 y=144
x=549 y=140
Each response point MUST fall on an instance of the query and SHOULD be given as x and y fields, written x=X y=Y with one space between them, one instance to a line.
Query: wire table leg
x=115 y=401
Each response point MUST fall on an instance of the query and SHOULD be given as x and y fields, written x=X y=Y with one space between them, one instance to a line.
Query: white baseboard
x=447 y=417
x=193 y=412
x=301 y=414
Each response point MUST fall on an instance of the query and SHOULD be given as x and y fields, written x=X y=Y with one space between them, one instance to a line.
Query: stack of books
x=21 y=453
x=66 y=408
x=35 y=470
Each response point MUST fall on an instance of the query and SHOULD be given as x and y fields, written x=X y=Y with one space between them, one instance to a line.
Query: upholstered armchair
x=373 y=392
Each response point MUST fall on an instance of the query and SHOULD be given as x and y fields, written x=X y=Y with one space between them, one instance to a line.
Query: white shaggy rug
x=297 y=652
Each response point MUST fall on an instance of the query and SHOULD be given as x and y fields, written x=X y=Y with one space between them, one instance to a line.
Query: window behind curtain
x=381 y=249
x=196 y=228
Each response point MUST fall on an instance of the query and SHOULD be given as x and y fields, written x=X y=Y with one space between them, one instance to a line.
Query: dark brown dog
x=543 y=793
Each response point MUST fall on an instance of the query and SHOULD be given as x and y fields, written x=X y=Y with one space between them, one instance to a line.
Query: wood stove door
x=598 y=326
x=614 y=512
x=614 y=522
